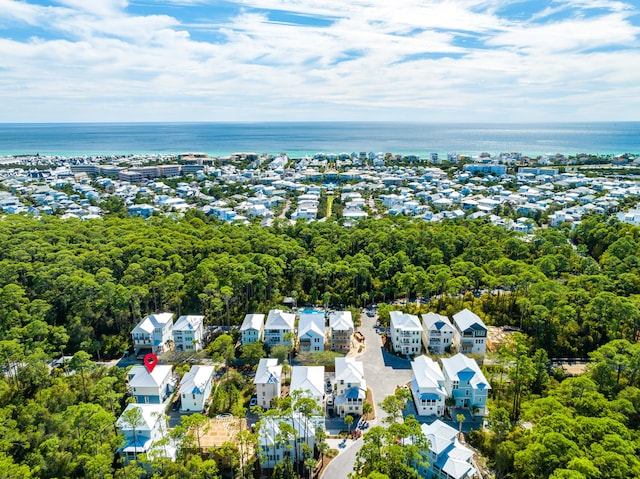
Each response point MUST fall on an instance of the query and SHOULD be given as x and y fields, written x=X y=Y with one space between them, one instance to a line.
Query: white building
x=252 y=329
x=267 y=381
x=153 y=333
x=151 y=387
x=406 y=333
x=471 y=333
x=272 y=446
x=308 y=381
x=142 y=430
x=464 y=380
x=438 y=334
x=427 y=387
x=188 y=332
x=350 y=387
x=341 y=329
x=447 y=457
x=195 y=388
x=311 y=332
x=277 y=326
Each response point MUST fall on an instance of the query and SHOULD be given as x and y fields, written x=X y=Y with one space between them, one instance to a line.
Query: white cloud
x=364 y=60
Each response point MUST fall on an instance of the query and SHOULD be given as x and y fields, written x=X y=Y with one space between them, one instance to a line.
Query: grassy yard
x=329 y=204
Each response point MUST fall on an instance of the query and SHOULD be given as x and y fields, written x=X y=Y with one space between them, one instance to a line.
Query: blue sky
x=296 y=60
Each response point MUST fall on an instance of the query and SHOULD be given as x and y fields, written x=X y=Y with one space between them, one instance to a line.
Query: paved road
x=383 y=372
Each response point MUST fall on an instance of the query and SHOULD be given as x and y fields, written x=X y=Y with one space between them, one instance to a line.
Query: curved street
x=383 y=373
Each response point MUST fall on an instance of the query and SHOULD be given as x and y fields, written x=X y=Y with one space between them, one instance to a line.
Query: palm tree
x=460 y=419
x=348 y=420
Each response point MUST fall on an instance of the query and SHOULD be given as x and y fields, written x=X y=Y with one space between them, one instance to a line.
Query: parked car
x=175 y=406
x=253 y=401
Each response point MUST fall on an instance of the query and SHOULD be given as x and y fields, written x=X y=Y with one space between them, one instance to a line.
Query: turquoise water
x=300 y=139
x=310 y=311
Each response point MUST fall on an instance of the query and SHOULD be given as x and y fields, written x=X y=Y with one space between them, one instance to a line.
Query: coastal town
x=326 y=317
x=442 y=393
x=509 y=189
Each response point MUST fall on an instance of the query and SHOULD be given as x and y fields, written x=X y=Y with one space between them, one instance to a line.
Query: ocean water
x=299 y=139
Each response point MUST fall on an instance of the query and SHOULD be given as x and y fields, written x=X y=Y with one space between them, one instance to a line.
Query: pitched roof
x=195 y=381
x=269 y=371
x=142 y=378
x=466 y=319
x=270 y=429
x=453 y=457
x=350 y=371
x=278 y=319
x=150 y=414
x=406 y=322
x=462 y=368
x=308 y=378
x=252 y=321
x=188 y=323
x=341 y=321
x=436 y=322
x=428 y=374
x=310 y=324
x=151 y=322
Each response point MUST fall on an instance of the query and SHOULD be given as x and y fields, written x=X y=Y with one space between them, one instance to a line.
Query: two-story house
x=350 y=387
x=438 y=334
x=464 y=380
x=151 y=387
x=446 y=456
x=427 y=387
x=341 y=330
x=195 y=388
x=277 y=326
x=188 y=332
x=311 y=332
x=471 y=333
x=268 y=381
x=406 y=333
x=143 y=426
x=252 y=329
x=153 y=333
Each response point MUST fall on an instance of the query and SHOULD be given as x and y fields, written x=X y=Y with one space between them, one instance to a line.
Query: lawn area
x=329 y=204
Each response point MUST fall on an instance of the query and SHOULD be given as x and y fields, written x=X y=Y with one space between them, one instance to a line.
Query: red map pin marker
x=150 y=361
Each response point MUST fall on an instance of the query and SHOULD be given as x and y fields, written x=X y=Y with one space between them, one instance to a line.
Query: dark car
x=176 y=405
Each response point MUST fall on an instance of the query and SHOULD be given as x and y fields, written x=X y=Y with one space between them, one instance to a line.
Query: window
x=455 y=385
x=194 y=396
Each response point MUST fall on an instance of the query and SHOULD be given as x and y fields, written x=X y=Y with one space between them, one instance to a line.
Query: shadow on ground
x=394 y=362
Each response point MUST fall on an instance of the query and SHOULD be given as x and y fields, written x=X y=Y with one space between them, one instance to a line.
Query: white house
x=471 y=333
x=341 y=329
x=438 y=334
x=427 y=387
x=272 y=445
x=311 y=332
x=267 y=381
x=252 y=328
x=143 y=425
x=153 y=333
x=464 y=380
x=195 y=388
x=187 y=333
x=151 y=387
x=350 y=388
x=406 y=333
x=309 y=382
x=447 y=457
x=277 y=326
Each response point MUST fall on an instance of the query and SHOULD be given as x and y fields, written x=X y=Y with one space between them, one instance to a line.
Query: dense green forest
x=69 y=286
